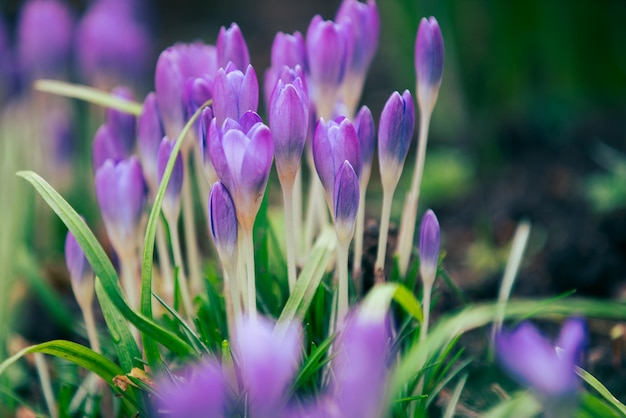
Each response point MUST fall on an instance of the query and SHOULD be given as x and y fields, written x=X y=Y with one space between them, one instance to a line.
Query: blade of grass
x=454 y=400
x=520 y=405
x=602 y=390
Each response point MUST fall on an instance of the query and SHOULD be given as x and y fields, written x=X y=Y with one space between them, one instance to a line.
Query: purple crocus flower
x=428 y=61
x=123 y=125
x=171 y=200
x=44 y=38
x=366 y=131
x=223 y=221
x=149 y=135
x=429 y=246
x=199 y=393
x=81 y=274
x=198 y=91
x=206 y=117
x=346 y=201
x=365 y=32
x=106 y=146
x=334 y=143
x=287 y=50
x=395 y=132
x=174 y=67
x=242 y=159
x=532 y=360
x=120 y=190
x=111 y=46
x=232 y=47
x=328 y=47
x=289 y=120
x=234 y=93
x=268 y=365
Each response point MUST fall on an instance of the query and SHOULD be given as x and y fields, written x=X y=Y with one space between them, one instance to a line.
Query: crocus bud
x=223 y=222
x=234 y=93
x=395 y=131
x=288 y=120
x=366 y=131
x=106 y=146
x=535 y=362
x=231 y=47
x=201 y=392
x=123 y=124
x=242 y=161
x=198 y=91
x=328 y=47
x=120 y=190
x=44 y=38
x=365 y=32
x=171 y=200
x=206 y=117
x=111 y=47
x=268 y=365
x=428 y=62
x=81 y=274
x=429 y=246
x=333 y=144
x=346 y=202
x=149 y=136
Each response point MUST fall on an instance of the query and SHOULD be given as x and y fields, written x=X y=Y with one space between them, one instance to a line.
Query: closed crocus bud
x=287 y=50
x=197 y=92
x=288 y=75
x=106 y=146
x=149 y=136
x=123 y=124
x=365 y=32
x=201 y=392
x=44 y=38
x=232 y=47
x=428 y=62
x=346 y=201
x=429 y=246
x=111 y=46
x=328 y=48
x=223 y=222
x=242 y=161
x=81 y=274
x=234 y=93
x=288 y=120
x=366 y=131
x=268 y=365
x=334 y=143
x=171 y=200
x=395 y=132
x=120 y=190
x=206 y=117
x=174 y=67
x=547 y=368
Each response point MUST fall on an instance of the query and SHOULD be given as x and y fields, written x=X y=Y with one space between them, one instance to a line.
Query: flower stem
x=359 y=230
x=290 y=234
x=193 y=257
x=379 y=268
x=46 y=386
x=427 y=290
x=407 y=226
x=297 y=212
x=178 y=261
x=342 y=293
x=90 y=325
x=165 y=264
x=250 y=284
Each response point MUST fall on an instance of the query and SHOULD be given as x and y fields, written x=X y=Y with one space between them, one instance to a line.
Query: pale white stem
x=129 y=279
x=360 y=228
x=407 y=226
x=193 y=256
x=315 y=212
x=89 y=386
x=165 y=264
x=427 y=290
x=251 y=285
x=90 y=325
x=379 y=268
x=290 y=234
x=240 y=275
x=178 y=261
x=297 y=212
x=342 y=292
x=46 y=385
x=232 y=299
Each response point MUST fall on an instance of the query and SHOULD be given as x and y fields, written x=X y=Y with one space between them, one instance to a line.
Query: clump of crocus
x=365 y=29
x=395 y=132
x=547 y=368
x=242 y=154
x=430 y=237
x=289 y=120
x=429 y=71
x=44 y=38
x=234 y=93
x=120 y=191
x=231 y=47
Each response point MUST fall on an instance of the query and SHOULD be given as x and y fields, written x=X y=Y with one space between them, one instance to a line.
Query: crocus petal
x=365 y=32
x=234 y=93
x=149 y=135
x=232 y=47
x=429 y=246
x=366 y=131
x=171 y=202
x=106 y=145
x=75 y=259
x=123 y=124
x=223 y=221
x=428 y=61
x=346 y=202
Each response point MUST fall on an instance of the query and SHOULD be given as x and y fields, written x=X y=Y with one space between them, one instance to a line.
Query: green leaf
x=152 y=353
x=102 y=266
x=89 y=94
x=593 y=407
x=602 y=390
x=308 y=281
x=313 y=363
x=520 y=405
x=454 y=400
x=380 y=297
x=83 y=357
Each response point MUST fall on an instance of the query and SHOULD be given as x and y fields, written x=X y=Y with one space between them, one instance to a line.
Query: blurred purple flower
x=223 y=221
x=44 y=38
x=242 y=157
x=106 y=146
x=234 y=93
x=76 y=262
x=287 y=50
x=346 y=201
x=429 y=246
x=120 y=190
x=532 y=360
x=365 y=32
x=428 y=61
x=111 y=46
x=232 y=47
x=397 y=123
x=171 y=200
x=123 y=125
x=149 y=136
x=366 y=131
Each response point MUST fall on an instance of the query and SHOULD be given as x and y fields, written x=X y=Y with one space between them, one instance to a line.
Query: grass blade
x=454 y=400
x=602 y=390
